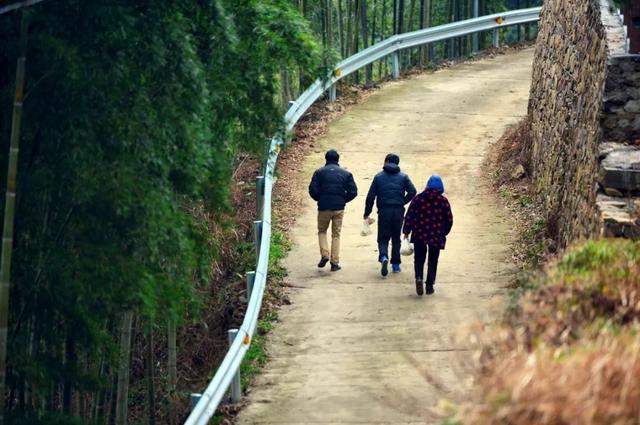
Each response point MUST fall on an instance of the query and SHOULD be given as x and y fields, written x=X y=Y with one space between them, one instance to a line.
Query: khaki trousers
x=335 y=219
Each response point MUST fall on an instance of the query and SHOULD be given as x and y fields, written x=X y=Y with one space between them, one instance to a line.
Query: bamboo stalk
x=122 y=397
x=172 y=361
x=151 y=391
x=9 y=212
x=341 y=28
x=329 y=24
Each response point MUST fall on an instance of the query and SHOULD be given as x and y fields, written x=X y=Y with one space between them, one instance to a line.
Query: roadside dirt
x=353 y=347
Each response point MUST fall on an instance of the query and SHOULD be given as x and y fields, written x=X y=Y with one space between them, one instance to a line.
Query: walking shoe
x=323 y=262
x=419 y=287
x=335 y=267
x=385 y=264
x=395 y=268
x=430 y=289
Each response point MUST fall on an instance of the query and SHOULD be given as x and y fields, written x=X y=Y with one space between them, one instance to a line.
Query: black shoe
x=430 y=289
x=335 y=267
x=323 y=262
x=419 y=287
x=385 y=267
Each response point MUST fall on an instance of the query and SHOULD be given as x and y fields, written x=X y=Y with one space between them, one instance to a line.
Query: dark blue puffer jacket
x=391 y=188
x=332 y=187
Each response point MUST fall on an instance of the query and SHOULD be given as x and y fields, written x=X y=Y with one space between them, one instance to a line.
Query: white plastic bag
x=406 y=248
x=366 y=227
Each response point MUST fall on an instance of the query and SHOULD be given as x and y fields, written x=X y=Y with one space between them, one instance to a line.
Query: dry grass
x=533 y=244
x=593 y=384
x=569 y=352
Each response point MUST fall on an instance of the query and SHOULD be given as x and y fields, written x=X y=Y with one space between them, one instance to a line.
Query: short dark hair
x=332 y=156
x=392 y=158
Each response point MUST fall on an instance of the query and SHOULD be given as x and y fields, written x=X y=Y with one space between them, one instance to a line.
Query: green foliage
x=594 y=286
x=596 y=255
x=133 y=116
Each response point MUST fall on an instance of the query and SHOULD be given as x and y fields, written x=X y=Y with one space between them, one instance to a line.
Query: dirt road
x=354 y=347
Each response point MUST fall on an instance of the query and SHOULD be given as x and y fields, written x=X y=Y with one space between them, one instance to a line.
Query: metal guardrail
x=228 y=372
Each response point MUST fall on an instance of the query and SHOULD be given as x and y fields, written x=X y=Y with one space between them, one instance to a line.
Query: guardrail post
x=260 y=194
x=496 y=38
x=251 y=278
x=395 y=60
x=257 y=235
x=194 y=398
x=236 y=389
x=333 y=93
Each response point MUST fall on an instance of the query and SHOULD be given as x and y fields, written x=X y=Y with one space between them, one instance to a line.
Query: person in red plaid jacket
x=428 y=221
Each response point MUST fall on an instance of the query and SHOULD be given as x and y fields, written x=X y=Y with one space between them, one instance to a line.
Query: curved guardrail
x=208 y=402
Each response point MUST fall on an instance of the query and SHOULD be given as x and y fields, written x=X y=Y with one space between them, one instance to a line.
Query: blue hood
x=435 y=182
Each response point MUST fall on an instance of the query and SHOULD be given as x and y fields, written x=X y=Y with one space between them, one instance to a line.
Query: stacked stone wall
x=564 y=111
x=621 y=114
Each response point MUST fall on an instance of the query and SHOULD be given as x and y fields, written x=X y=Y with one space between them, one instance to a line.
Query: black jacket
x=332 y=187
x=391 y=187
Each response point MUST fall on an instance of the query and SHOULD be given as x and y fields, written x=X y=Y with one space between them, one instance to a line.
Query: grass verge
x=569 y=352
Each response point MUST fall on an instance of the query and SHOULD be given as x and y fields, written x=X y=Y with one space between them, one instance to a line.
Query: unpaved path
x=356 y=348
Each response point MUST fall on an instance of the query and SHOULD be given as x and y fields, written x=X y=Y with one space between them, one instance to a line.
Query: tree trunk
x=172 y=357
x=151 y=391
x=302 y=77
x=349 y=41
x=400 y=16
x=412 y=7
x=356 y=37
x=341 y=28
x=286 y=91
x=122 y=397
x=9 y=210
x=383 y=23
x=71 y=361
x=421 y=25
x=451 y=19
x=328 y=24
x=429 y=25
x=365 y=37
x=374 y=18
x=395 y=16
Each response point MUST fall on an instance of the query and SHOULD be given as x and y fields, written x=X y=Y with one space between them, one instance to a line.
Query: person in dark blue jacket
x=332 y=187
x=393 y=190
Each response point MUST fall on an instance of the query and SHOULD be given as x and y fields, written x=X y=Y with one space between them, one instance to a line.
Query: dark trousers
x=389 y=228
x=420 y=251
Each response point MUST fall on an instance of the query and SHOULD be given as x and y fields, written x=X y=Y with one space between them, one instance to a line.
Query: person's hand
x=370 y=220
x=406 y=236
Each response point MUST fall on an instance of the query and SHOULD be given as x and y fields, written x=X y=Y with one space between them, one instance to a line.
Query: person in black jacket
x=332 y=187
x=393 y=190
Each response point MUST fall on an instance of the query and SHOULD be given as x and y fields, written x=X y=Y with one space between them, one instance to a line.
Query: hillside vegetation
x=569 y=351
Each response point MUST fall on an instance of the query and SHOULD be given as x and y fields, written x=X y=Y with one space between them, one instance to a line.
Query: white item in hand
x=406 y=248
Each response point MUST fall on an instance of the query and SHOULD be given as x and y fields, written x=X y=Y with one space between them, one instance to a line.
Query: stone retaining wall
x=564 y=112
x=621 y=116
